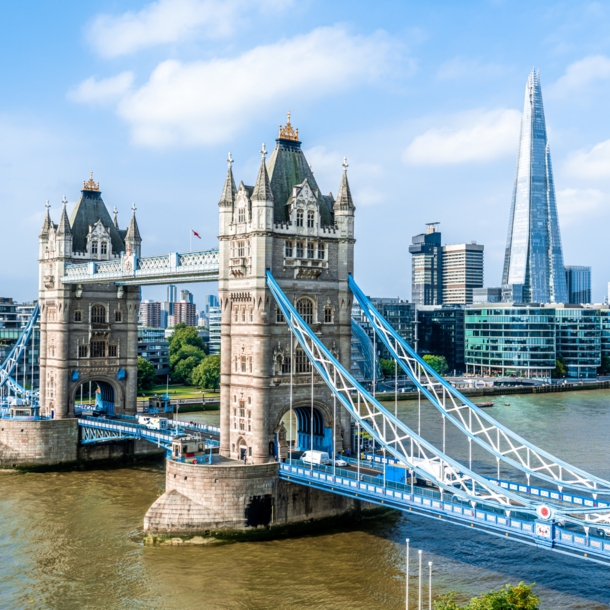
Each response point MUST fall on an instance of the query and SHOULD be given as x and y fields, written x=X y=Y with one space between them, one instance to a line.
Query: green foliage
x=508 y=597
x=438 y=363
x=560 y=368
x=185 y=353
x=388 y=366
x=184 y=335
x=604 y=367
x=207 y=374
x=146 y=374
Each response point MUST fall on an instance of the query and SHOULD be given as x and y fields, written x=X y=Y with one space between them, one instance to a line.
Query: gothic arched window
x=311 y=220
x=104 y=247
x=299 y=218
x=241 y=215
x=93 y=247
x=305 y=309
x=98 y=314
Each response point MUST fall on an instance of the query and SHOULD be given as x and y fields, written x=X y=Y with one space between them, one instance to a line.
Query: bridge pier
x=230 y=500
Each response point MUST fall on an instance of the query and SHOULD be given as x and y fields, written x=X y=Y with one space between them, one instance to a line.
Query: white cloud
x=207 y=102
x=593 y=164
x=171 y=21
x=102 y=91
x=580 y=74
x=477 y=136
x=461 y=68
x=575 y=205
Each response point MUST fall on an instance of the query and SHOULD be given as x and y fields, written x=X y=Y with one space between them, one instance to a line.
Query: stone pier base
x=32 y=444
x=233 y=501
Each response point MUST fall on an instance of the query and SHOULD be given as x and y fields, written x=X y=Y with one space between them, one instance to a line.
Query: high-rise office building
x=172 y=293
x=186 y=296
x=534 y=257
x=492 y=294
x=150 y=314
x=215 y=320
x=578 y=279
x=462 y=272
x=426 y=279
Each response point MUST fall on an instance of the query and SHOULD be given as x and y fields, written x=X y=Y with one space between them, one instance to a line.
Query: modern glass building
x=440 y=332
x=578 y=280
x=215 y=319
x=534 y=257
x=604 y=323
x=509 y=340
x=426 y=270
x=578 y=340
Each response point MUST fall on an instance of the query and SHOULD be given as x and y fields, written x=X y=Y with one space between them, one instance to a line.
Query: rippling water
x=72 y=540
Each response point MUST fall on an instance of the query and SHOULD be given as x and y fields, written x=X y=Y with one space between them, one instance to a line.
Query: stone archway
x=100 y=392
x=299 y=432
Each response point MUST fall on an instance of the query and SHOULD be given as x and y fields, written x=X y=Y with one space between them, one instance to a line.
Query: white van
x=156 y=423
x=316 y=457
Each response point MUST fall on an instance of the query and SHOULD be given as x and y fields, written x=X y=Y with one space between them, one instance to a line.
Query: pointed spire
x=228 y=192
x=115 y=220
x=344 y=200
x=133 y=232
x=262 y=188
x=46 y=225
x=63 y=228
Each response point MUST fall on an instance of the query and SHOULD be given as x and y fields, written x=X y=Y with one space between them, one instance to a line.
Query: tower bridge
x=285 y=268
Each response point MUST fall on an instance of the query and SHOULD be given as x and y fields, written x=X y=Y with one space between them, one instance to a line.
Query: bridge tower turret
x=283 y=223
x=88 y=333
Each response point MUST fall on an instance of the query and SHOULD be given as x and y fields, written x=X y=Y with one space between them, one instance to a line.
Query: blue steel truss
x=8 y=366
x=473 y=422
x=447 y=474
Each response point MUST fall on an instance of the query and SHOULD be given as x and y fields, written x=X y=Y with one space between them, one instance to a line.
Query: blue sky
x=424 y=99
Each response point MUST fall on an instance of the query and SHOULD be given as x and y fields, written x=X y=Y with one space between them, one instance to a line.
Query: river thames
x=73 y=539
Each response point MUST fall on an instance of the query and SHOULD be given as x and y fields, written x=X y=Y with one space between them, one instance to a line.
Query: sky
x=424 y=100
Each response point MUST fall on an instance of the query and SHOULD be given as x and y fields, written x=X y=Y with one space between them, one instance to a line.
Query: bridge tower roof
x=89 y=209
x=288 y=168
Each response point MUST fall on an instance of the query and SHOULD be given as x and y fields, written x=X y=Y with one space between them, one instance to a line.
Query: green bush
x=146 y=374
x=509 y=597
x=207 y=374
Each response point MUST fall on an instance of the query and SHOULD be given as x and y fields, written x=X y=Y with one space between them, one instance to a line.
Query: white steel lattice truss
x=391 y=433
x=131 y=270
x=8 y=366
x=479 y=427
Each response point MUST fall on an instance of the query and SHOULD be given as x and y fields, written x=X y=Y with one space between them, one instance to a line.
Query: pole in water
x=429 y=585
x=407 y=578
x=419 y=584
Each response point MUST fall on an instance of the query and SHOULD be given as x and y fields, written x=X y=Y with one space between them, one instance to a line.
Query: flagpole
x=190 y=240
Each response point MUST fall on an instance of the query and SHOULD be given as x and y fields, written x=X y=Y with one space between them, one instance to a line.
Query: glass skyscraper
x=578 y=279
x=534 y=257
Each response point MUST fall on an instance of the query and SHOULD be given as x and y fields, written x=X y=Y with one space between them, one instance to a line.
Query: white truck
x=155 y=423
x=446 y=474
x=315 y=457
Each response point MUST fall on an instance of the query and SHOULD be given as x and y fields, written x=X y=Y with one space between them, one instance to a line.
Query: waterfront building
x=427 y=272
x=502 y=339
x=604 y=323
x=150 y=314
x=462 y=272
x=154 y=347
x=398 y=312
x=440 y=332
x=487 y=295
x=578 y=339
x=578 y=279
x=534 y=256
x=214 y=329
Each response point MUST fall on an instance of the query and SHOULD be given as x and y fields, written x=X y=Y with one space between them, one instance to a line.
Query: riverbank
x=503 y=390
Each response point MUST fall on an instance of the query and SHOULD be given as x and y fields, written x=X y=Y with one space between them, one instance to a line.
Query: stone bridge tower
x=88 y=333
x=285 y=224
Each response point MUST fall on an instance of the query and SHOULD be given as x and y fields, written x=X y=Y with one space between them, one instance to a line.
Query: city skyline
x=430 y=130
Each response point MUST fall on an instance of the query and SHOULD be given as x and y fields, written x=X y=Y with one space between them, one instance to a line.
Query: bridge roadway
x=429 y=502
x=120 y=427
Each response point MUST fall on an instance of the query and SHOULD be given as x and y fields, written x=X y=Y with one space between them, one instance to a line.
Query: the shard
x=533 y=264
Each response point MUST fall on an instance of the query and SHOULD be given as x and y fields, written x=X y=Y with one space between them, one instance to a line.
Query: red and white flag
x=196 y=234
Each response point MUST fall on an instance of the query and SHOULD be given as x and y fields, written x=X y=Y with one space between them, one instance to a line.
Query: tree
x=207 y=374
x=560 y=368
x=184 y=335
x=146 y=374
x=187 y=351
x=508 y=597
x=438 y=363
x=388 y=366
x=183 y=371
x=604 y=367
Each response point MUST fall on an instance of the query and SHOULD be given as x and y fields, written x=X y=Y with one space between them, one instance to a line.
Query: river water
x=72 y=539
